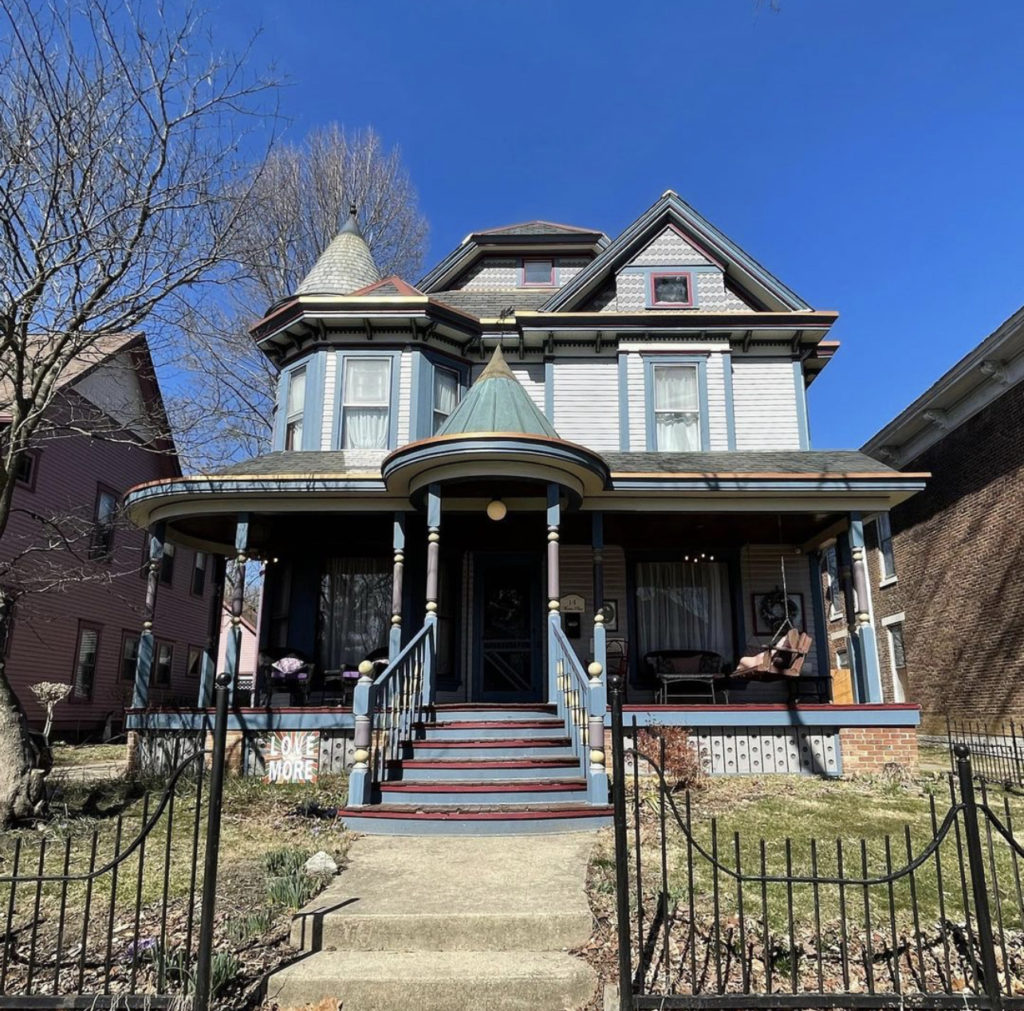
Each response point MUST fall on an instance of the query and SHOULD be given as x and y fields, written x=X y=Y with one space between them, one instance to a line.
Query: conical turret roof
x=344 y=266
x=497 y=402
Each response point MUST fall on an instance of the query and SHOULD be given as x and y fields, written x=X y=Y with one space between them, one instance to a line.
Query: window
x=199 y=573
x=677 y=421
x=164 y=659
x=900 y=686
x=366 y=400
x=446 y=396
x=6 y=621
x=843 y=659
x=671 y=289
x=103 y=524
x=129 y=655
x=539 y=272
x=885 y=546
x=832 y=583
x=194 y=667
x=25 y=469
x=84 y=675
x=294 y=409
x=167 y=564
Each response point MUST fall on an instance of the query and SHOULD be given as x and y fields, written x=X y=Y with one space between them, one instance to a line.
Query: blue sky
x=867 y=152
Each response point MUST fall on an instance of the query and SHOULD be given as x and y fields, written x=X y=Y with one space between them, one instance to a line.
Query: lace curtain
x=682 y=605
x=355 y=610
x=676 y=408
x=366 y=396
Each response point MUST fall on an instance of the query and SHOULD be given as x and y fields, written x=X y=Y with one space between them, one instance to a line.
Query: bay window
x=446 y=396
x=366 y=403
x=295 y=409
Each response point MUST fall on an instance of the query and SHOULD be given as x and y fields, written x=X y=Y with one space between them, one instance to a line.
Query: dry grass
x=73 y=755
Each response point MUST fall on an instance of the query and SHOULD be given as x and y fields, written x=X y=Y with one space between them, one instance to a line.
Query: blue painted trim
x=249 y=720
x=279 y=410
x=701 y=363
x=144 y=659
x=554 y=509
x=863 y=636
x=821 y=654
x=312 y=411
x=421 y=416
x=831 y=717
x=549 y=391
x=801 y=405
x=624 y=403
x=730 y=401
x=434 y=506
x=395 y=357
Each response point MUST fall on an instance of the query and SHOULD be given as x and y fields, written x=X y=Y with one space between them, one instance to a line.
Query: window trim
x=651 y=362
x=157 y=643
x=170 y=550
x=127 y=634
x=196 y=555
x=395 y=357
x=433 y=399
x=299 y=416
x=887 y=623
x=421 y=410
x=549 y=283
x=653 y=299
x=883 y=533
x=85 y=626
x=29 y=483
x=312 y=417
x=191 y=651
x=97 y=554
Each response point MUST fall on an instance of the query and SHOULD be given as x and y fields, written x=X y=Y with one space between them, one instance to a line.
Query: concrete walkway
x=447 y=923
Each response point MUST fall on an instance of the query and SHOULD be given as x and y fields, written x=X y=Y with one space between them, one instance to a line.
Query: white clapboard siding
x=586 y=402
x=330 y=401
x=764 y=404
x=404 y=395
x=636 y=397
x=761 y=573
x=718 y=428
x=529 y=374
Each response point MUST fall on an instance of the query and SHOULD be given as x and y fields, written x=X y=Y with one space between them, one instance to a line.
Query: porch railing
x=581 y=700
x=387 y=710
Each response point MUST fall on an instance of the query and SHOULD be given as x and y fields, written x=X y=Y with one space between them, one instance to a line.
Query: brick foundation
x=867 y=750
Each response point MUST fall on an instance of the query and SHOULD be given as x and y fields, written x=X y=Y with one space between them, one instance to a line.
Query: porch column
x=597 y=693
x=395 y=637
x=234 y=645
x=433 y=575
x=821 y=653
x=597 y=543
x=144 y=661
x=863 y=631
x=554 y=604
x=208 y=670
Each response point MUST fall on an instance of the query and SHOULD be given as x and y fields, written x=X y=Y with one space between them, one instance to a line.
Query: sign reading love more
x=290 y=756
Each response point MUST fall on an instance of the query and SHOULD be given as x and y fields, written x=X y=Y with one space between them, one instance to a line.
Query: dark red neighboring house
x=75 y=570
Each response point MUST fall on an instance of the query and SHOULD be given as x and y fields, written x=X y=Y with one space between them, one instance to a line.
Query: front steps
x=483 y=770
x=446 y=925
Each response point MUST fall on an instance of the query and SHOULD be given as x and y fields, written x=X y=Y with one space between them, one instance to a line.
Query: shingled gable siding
x=958 y=547
x=586 y=399
x=669 y=246
x=765 y=403
x=42 y=646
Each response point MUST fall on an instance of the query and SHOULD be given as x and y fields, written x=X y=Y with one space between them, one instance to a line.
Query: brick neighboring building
x=84 y=630
x=952 y=585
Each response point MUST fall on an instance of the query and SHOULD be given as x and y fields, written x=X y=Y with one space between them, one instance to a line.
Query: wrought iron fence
x=120 y=914
x=714 y=920
x=995 y=757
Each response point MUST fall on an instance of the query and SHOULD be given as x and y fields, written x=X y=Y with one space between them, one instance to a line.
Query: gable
x=114 y=387
x=670 y=247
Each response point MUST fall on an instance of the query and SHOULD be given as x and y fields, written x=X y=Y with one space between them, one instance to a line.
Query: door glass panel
x=507 y=630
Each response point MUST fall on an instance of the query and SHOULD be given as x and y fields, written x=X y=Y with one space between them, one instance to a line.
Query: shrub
x=291 y=890
x=683 y=767
x=282 y=862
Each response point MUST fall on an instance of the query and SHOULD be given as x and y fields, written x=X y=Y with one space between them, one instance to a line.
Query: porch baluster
x=144 y=660
x=395 y=638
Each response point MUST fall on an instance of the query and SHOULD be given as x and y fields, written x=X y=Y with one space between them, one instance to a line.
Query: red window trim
x=673 y=273
x=549 y=283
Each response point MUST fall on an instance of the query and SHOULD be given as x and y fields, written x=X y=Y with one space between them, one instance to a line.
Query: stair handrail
x=581 y=700
x=387 y=709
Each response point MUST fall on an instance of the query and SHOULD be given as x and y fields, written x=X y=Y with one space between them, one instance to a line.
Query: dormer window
x=671 y=290
x=295 y=409
x=538 y=273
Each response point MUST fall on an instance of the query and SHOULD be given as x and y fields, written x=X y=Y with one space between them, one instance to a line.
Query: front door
x=507 y=654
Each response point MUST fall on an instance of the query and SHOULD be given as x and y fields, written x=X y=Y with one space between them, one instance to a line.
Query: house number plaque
x=572 y=603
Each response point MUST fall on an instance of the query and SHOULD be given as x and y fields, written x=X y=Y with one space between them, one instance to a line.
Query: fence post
x=976 y=860
x=201 y=995
x=621 y=850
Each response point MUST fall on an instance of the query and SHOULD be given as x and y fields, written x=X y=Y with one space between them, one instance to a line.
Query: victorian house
x=557 y=455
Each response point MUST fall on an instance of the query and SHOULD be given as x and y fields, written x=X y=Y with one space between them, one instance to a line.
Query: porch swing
x=783 y=655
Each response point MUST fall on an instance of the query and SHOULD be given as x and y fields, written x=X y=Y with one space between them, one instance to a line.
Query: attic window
x=671 y=290
x=539 y=273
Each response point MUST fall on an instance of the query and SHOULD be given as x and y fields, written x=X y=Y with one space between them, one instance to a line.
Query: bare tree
x=122 y=175
x=294 y=209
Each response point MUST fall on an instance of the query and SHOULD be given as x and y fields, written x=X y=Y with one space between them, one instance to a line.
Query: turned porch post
x=863 y=630
x=433 y=581
x=395 y=636
x=597 y=542
x=234 y=644
x=144 y=660
x=208 y=671
x=554 y=603
x=597 y=700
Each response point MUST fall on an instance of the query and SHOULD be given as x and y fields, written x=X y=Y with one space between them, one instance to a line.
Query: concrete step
x=462 y=730
x=419 y=770
x=436 y=980
x=407 y=820
x=456 y=793
x=517 y=747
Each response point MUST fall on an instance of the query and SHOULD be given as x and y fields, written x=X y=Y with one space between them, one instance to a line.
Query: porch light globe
x=496 y=510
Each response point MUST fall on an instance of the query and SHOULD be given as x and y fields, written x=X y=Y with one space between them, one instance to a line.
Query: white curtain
x=355 y=610
x=676 y=408
x=366 y=397
x=446 y=395
x=683 y=605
